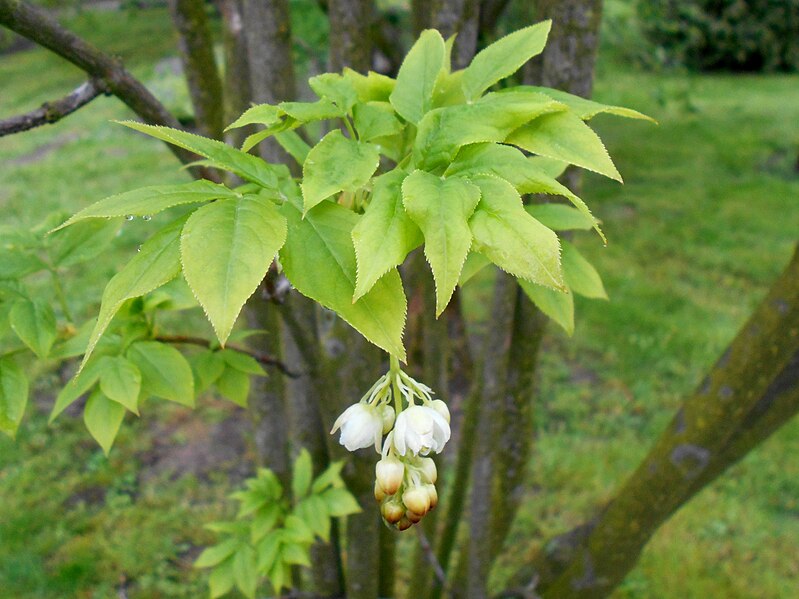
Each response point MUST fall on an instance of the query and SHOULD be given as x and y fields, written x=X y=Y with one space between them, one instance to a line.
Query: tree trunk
x=197 y=55
x=351 y=23
x=267 y=30
x=459 y=17
x=237 y=73
x=569 y=59
x=751 y=391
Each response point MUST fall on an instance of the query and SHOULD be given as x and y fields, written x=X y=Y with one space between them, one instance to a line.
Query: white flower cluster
x=405 y=477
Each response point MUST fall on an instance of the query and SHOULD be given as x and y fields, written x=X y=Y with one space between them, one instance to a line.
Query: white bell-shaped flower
x=420 y=430
x=361 y=426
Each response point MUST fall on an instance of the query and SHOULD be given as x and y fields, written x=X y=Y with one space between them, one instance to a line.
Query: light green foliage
x=226 y=248
x=156 y=263
x=165 y=372
x=503 y=58
x=35 y=323
x=412 y=97
x=385 y=234
x=559 y=217
x=557 y=305
x=587 y=109
x=336 y=164
x=441 y=208
x=511 y=238
x=564 y=136
x=581 y=277
x=120 y=380
x=244 y=165
x=152 y=200
x=13 y=395
x=103 y=417
x=428 y=159
x=319 y=259
x=270 y=533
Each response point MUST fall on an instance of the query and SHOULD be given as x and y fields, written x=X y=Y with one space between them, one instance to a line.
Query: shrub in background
x=736 y=35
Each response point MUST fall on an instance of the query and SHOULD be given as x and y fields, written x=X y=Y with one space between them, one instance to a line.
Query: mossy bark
x=748 y=394
x=199 y=66
x=351 y=23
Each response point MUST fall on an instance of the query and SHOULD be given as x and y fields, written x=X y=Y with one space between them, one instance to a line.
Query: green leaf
x=559 y=217
x=491 y=118
x=301 y=475
x=242 y=362
x=244 y=571
x=313 y=511
x=384 y=235
x=335 y=88
x=279 y=575
x=261 y=114
x=340 y=502
x=549 y=166
x=558 y=305
x=81 y=242
x=103 y=418
x=319 y=260
x=307 y=112
x=264 y=521
x=17 y=263
x=296 y=555
x=239 y=163
x=221 y=580
x=293 y=144
x=511 y=238
x=207 y=367
x=213 y=556
x=441 y=208
x=413 y=94
x=165 y=372
x=268 y=549
x=287 y=124
x=370 y=87
x=76 y=387
x=13 y=396
x=156 y=263
x=120 y=380
x=331 y=477
x=475 y=262
x=522 y=172
x=234 y=385
x=588 y=109
x=564 y=136
x=503 y=58
x=226 y=248
x=375 y=119
x=34 y=323
x=580 y=275
x=336 y=164
x=152 y=200
x=296 y=530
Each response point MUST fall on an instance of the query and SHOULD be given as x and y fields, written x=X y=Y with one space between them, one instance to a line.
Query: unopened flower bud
x=440 y=407
x=388 y=414
x=404 y=524
x=429 y=471
x=432 y=493
x=416 y=499
x=392 y=511
x=389 y=472
x=413 y=516
x=380 y=495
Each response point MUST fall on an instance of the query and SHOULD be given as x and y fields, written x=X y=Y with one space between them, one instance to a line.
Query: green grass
x=703 y=224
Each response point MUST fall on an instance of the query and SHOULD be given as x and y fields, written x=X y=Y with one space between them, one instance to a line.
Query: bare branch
x=262 y=358
x=52 y=112
x=32 y=23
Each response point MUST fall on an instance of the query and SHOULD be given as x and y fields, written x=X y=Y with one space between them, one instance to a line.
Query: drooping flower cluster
x=416 y=425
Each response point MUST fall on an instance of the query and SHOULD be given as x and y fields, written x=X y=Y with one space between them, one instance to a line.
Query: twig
x=431 y=557
x=36 y=25
x=52 y=112
x=259 y=357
